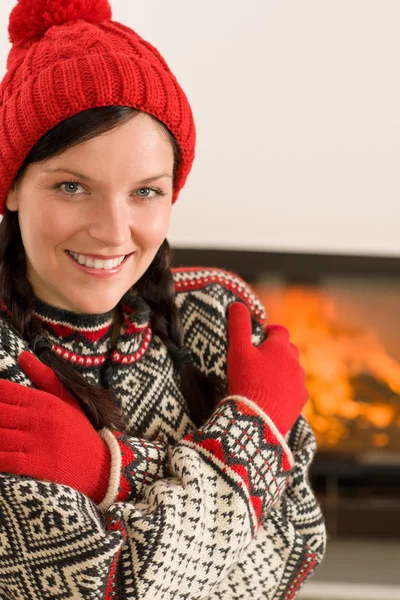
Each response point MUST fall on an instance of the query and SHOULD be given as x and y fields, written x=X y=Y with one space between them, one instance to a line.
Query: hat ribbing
x=68 y=56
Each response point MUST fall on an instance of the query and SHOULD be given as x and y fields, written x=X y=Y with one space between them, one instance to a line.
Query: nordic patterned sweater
x=221 y=512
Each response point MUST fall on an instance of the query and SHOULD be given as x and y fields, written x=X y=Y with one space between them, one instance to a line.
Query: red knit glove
x=46 y=434
x=269 y=374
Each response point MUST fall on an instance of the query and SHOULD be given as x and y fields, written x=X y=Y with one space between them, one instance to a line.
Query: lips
x=99 y=256
x=112 y=263
x=96 y=272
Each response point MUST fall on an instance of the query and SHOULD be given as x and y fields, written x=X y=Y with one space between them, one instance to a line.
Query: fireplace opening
x=348 y=333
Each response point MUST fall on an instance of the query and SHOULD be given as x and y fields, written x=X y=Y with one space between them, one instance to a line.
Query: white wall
x=297 y=106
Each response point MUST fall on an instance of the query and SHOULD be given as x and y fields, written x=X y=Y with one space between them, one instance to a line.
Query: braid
x=18 y=296
x=201 y=391
x=158 y=289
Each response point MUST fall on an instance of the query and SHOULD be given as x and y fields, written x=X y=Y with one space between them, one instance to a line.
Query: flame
x=334 y=356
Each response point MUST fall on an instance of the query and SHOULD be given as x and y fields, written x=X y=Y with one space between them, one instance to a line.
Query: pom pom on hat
x=30 y=19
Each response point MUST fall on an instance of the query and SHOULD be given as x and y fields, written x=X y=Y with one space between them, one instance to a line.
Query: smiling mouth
x=96 y=263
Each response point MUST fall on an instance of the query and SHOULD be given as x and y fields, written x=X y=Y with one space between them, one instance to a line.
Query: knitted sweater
x=222 y=512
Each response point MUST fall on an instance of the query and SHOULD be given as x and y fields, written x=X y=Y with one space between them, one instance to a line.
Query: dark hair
x=156 y=286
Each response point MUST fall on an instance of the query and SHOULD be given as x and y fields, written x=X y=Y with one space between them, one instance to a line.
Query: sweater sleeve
x=291 y=542
x=178 y=538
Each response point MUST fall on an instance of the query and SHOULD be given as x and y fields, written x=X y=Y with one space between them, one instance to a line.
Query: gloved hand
x=45 y=434
x=269 y=374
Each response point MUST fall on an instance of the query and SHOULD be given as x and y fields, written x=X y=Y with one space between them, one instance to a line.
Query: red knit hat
x=68 y=56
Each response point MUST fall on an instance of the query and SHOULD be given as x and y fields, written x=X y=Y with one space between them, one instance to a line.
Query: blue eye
x=157 y=192
x=144 y=190
x=70 y=184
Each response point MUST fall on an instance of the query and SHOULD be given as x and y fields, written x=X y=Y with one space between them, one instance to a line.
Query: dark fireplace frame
x=302 y=267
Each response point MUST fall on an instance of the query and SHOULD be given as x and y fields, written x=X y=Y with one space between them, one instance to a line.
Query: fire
x=354 y=384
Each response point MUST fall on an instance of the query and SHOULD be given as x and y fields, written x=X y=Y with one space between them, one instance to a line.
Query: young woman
x=151 y=441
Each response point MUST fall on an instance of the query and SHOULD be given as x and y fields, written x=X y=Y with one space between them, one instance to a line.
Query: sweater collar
x=87 y=334
x=64 y=323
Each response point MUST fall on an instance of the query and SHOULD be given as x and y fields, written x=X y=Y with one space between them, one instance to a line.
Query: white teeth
x=88 y=262
x=96 y=263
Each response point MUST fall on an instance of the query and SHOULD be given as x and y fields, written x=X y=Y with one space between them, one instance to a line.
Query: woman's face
x=110 y=210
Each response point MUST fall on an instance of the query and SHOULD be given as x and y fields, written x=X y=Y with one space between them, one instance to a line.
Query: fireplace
x=342 y=313
x=350 y=348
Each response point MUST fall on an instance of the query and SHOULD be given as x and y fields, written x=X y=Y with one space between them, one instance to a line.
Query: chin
x=96 y=305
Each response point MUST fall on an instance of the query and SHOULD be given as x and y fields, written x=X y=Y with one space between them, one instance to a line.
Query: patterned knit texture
x=73 y=64
x=225 y=511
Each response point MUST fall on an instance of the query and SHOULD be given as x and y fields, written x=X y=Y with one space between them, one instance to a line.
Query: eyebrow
x=86 y=178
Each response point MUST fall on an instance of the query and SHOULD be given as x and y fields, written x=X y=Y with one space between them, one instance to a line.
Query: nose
x=111 y=224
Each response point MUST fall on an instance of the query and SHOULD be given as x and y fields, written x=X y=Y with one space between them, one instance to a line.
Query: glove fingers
x=295 y=350
x=43 y=377
x=11 y=440
x=305 y=397
x=11 y=462
x=278 y=332
x=10 y=418
x=10 y=393
x=239 y=324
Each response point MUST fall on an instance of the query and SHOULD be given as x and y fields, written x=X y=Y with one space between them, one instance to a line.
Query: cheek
x=42 y=229
x=153 y=227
